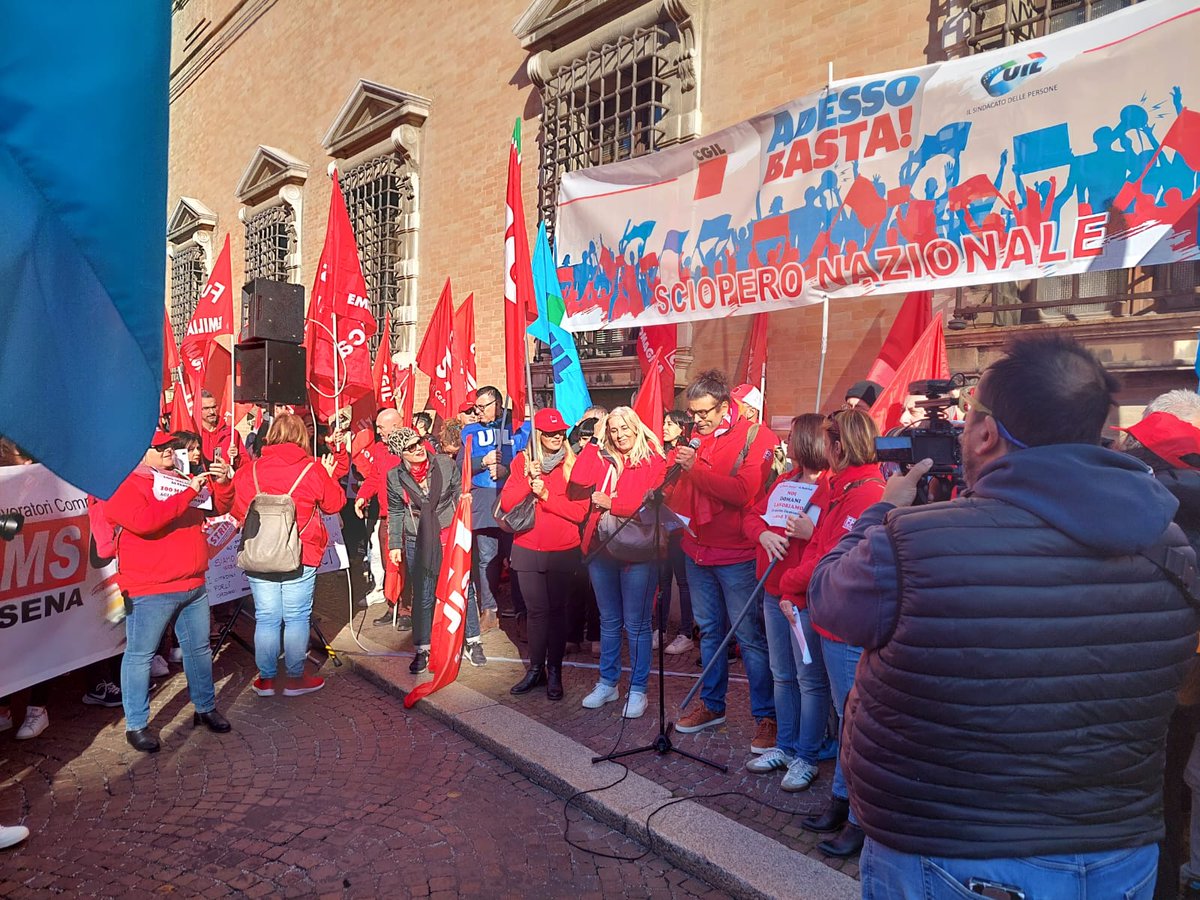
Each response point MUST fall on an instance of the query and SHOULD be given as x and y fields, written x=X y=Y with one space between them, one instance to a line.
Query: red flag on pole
x=338 y=314
x=384 y=373
x=649 y=405
x=907 y=328
x=756 y=353
x=656 y=348
x=406 y=386
x=170 y=352
x=436 y=356
x=450 y=614
x=520 y=304
x=205 y=359
x=464 y=346
x=181 y=410
x=927 y=359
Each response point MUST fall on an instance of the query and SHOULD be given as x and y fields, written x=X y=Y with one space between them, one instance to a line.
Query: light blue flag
x=571 y=395
x=83 y=202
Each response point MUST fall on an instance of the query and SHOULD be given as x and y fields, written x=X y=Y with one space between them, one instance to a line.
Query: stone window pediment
x=189 y=217
x=372 y=113
x=269 y=171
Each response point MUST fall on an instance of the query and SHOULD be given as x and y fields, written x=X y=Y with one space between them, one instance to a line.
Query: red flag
x=450 y=616
x=520 y=304
x=656 y=348
x=384 y=373
x=866 y=202
x=436 y=356
x=181 y=410
x=1184 y=137
x=910 y=322
x=756 y=353
x=170 y=362
x=927 y=359
x=464 y=346
x=205 y=357
x=649 y=405
x=406 y=386
x=338 y=307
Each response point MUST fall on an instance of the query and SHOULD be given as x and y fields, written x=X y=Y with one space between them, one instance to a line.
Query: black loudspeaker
x=272 y=311
x=270 y=372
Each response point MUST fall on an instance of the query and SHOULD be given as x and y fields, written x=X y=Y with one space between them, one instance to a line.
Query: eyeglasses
x=411 y=448
x=969 y=400
x=554 y=434
x=702 y=413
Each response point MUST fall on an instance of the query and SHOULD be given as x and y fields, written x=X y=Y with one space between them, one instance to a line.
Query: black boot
x=386 y=618
x=420 y=662
x=554 y=689
x=829 y=821
x=213 y=721
x=534 y=676
x=848 y=843
x=142 y=740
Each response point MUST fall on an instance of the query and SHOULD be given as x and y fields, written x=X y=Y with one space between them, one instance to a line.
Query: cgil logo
x=1005 y=78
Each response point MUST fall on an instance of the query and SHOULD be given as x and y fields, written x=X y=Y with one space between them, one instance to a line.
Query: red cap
x=160 y=439
x=549 y=420
x=1168 y=436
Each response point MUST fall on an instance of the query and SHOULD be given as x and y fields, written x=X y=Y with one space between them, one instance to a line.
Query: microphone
x=676 y=470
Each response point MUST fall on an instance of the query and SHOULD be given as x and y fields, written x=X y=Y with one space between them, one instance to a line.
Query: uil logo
x=1006 y=77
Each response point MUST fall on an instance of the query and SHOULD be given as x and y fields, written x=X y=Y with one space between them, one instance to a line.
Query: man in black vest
x=1024 y=643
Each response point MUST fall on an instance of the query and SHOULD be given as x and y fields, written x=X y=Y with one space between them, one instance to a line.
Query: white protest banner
x=52 y=599
x=168 y=484
x=225 y=581
x=788 y=499
x=1075 y=152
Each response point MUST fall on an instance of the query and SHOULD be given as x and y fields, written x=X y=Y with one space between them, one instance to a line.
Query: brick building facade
x=414 y=101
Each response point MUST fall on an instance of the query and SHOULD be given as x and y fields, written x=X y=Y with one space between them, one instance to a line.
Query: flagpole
x=824 y=348
x=535 y=449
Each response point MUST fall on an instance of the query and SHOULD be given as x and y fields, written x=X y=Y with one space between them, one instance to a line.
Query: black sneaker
x=385 y=619
x=474 y=654
x=420 y=662
x=404 y=623
x=105 y=693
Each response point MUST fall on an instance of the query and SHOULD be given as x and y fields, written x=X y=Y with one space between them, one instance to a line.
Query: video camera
x=935 y=437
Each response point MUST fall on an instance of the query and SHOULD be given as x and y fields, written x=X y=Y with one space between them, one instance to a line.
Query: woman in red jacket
x=855 y=483
x=801 y=690
x=161 y=560
x=546 y=556
x=626 y=464
x=287 y=467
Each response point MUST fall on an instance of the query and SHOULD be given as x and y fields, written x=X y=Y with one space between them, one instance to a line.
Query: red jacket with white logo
x=278 y=468
x=161 y=547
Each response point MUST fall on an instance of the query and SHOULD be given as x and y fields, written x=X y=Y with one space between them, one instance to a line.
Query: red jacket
x=219 y=437
x=161 y=547
x=841 y=500
x=753 y=526
x=377 y=462
x=715 y=498
x=593 y=472
x=278 y=468
x=556 y=519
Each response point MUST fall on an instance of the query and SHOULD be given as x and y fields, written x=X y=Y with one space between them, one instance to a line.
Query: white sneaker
x=681 y=644
x=600 y=695
x=159 y=667
x=770 y=761
x=5 y=720
x=799 y=776
x=635 y=705
x=36 y=721
x=375 y=596
x=176 y=654
x=656 y=640
x=12 y=834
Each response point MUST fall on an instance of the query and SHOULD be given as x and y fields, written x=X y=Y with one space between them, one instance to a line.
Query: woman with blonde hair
x=287 y=467
x=619 y=471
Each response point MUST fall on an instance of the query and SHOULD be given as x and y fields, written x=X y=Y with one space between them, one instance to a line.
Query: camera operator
x=1023 y=645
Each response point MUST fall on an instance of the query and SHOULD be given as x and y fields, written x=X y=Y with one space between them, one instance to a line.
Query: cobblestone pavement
x=748 y=798
x=340 y=793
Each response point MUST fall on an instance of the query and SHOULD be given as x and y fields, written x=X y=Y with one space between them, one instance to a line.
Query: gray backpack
x=270 y=539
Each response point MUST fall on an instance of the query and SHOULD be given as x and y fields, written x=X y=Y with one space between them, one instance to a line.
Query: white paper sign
x=788 y=499
x=168 y=485
x=801 y=642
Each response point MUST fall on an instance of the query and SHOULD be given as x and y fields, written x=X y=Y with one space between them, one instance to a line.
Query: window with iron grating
x=381 y=197
x=270 y=240
x=605 y=106
x=188 y=274
x=987 y=25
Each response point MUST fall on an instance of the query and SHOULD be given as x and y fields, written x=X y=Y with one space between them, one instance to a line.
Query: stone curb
x=705 y=843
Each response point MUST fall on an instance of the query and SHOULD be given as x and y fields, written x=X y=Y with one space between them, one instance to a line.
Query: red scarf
x=419 y=471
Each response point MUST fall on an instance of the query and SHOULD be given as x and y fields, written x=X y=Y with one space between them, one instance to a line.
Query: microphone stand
x=662 y=744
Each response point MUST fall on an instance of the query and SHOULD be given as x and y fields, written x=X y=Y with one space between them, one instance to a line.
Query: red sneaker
x=264 y=687
x=305 y=684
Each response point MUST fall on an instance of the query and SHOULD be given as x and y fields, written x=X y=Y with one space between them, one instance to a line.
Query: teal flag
x=83 y=201
x=571 y=395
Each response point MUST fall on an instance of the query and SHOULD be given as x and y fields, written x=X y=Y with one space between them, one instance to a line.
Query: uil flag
x=206 y=357
x=571 y=395
x=464 y=345
x=450 y=614
x=436 y=356
x=339 y=314
x=520 y=304
x=384 y=374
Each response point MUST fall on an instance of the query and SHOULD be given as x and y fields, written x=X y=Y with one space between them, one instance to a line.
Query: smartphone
x=217 y=454
x=994 y=890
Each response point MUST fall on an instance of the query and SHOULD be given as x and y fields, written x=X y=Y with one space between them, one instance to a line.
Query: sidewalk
x=730 y=841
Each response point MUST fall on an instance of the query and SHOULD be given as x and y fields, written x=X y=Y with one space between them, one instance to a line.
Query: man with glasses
x=493 y=443
x=217 y=434
x=720 y=481
x=1023 y=646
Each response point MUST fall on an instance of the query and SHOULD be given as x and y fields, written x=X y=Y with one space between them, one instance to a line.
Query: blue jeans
x=492 y=547
x=890 y=875
x=719 y=593
x=801 y=691
x=623 y=593
x=841 y=661
x=675 y=565
x=286 y=600
x=144 y=627
x=424 y=602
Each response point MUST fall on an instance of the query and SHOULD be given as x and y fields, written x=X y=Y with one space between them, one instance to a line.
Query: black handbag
x=517 y=519
x=636 y=541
